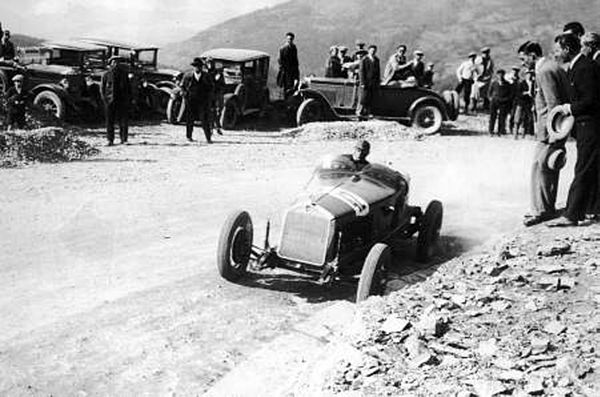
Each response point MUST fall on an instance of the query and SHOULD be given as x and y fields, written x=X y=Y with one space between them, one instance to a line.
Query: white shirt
x=596 y=55
x=197 y=75
x=467 y=70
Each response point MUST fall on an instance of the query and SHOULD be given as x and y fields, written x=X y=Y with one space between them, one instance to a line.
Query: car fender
x=56 y=88
x=309 y=93
x=429 y=99
x=232 y=99
x=166 y=84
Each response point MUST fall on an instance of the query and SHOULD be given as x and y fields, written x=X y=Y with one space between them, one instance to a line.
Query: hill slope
x=445 y=30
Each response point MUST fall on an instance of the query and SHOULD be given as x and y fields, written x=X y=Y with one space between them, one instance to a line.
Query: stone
x=419 y=353
x=489 y=388
x=555 y=327
x=487 y=348
x=592 y=263
x=394 y=324
x=539 y=345
x=547 y=282
x=554 y=249
x=500 y=306
x=504 y=363
x=432 y=324
x=566 y=283
x=459 y=299
x=535 y=386
x=514 y=375
x=495 y=269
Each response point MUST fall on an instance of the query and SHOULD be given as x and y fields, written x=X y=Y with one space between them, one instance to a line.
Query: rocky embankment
x=521 y=319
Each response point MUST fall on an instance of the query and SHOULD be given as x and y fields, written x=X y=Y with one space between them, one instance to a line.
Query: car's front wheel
x=310 y=110
x=428 y=119
x=235 y=246
x=50 y=103
x=372 y=276
x=429 y=232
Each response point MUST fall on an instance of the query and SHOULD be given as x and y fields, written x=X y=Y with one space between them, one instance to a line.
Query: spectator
x=524 y=112
x=289 y=72
x=218 y=79
x=359 y=50
x=115 y=89
x=418 y=67
x=353 y=67
x=575 y=28
x=552 y=90
x=590 y=46
x=485 y=72
x=198 y=91
x=396 y=68
x=428 y=76
x=369 y=81
x=344 y=59
x=16 y=103
x=7 y=48
x=584 y=104
x=333 y=66
x=466 y=73
x=515 y=82
x=500 y=98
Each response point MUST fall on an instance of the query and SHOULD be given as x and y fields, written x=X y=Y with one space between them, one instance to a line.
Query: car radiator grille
x=305 y=238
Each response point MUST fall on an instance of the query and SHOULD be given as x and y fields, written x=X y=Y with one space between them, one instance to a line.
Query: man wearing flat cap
x=16 y=103
x=418 y=67
x=289 y=69
x=552 y=90
x=466 y=74
x=198 y=90
x=115 y=89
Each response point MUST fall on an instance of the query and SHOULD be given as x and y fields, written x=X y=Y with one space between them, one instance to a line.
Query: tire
x=429 y=232
x=310 y=110
x=428 y=118
x=229 y=116
x=372 y=276
x=235 y=245
x=50 y=103
x=175 y=109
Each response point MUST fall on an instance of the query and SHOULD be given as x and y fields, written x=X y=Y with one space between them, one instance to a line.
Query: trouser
x=117 y=112
x=522 y=118
x=498 y=111
x=198 y=111
x=585 y=182
x=16 y=118
x=465 y=86
x=366 y=94
x=544 y=182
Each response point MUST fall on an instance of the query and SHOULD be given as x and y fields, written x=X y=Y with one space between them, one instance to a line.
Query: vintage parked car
x=342 y=226
x=246 y=73
x=58 y=77
x=155 y=84
x=328 y=99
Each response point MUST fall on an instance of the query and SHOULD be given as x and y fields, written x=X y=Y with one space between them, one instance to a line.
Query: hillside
x=22 y=40
x=445 y=30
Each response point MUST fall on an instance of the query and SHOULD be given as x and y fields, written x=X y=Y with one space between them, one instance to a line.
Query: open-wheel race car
x=330 y=99
x=342 y=226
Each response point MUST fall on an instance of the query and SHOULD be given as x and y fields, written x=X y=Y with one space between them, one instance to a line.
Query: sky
x=147 y=21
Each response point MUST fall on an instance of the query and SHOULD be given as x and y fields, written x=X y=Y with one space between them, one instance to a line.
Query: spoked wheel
x=373 y=274
x=235 y=246
x=229 y=116
x=429 y=232
x=50 y=103
x=310 y=110
x=428 y=118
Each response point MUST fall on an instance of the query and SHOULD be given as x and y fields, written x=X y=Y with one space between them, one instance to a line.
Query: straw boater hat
x=559 y=125
x=556 y=159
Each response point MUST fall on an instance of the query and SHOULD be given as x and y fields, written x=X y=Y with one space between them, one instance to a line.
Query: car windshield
x=147 y=57
x=93 y=59
x=232 y=72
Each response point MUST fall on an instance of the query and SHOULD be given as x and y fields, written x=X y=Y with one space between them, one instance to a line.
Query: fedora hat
x=197 y=62
x=556 y=158
x=559 y=125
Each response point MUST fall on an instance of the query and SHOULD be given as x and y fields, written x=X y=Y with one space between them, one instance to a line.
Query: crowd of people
x=567 y=85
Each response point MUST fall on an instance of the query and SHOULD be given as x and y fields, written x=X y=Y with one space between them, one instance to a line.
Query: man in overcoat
x=198 y=89
x=115 y=89
x=289 y=70
x=369 y=81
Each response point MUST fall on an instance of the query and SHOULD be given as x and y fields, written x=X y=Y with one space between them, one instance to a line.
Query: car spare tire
x=175 y=109
x=372 y=276
x=429 y=232
x=235 y=246
x=428 y=118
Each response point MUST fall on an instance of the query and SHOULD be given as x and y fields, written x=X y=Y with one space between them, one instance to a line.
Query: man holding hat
x=584 y=105
x=198 y=90
x=552 y=90
x=16 y=103
x=466 y=73
x=115 y=89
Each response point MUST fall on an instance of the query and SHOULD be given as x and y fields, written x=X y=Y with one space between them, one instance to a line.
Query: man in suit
x=552 y=90
x=198 y=90
x=500 y=96
x=584 y=105
x=115 y=89
x=289 y=72
x=7 y=48
x=369 y=80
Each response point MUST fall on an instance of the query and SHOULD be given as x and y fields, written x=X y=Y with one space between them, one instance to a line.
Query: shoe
x=190 y=140
x=531 y=220
x=562 y=222
x=219 y=131
x=110 y=144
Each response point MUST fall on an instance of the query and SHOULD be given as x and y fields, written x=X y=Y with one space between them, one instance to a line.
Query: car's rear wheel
x=235 y=246
x=428 y=118
x=175 y=109
x=310 y=110
x=50 y=103
x=429 y=232
x=229 y=116
x=372 y=276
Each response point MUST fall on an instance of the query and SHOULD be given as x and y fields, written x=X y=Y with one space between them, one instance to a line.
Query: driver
x=359 y=156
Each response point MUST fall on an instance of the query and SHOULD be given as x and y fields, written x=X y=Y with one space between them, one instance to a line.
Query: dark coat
x=198 y=91
x=16 y=102
x=115 y=86
x=418 y=70
x=369 y=72
x=7 y=51
x=333 y=67
x=288 y=66
x=501 y=93
x=584 y=89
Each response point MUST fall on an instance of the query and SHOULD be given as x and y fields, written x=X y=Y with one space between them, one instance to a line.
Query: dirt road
x=107 y=265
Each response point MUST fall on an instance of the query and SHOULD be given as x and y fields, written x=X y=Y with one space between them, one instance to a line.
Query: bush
x=50 y=144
